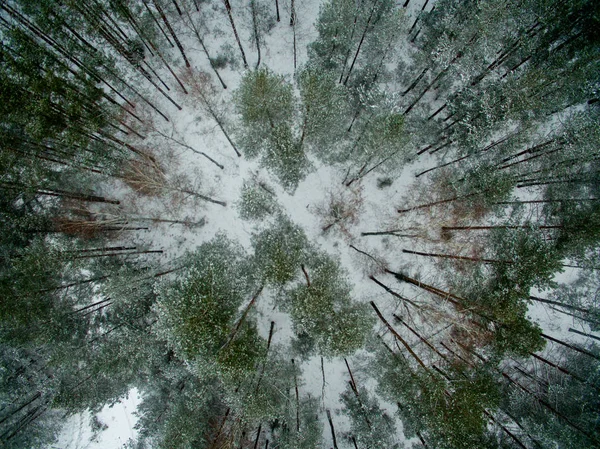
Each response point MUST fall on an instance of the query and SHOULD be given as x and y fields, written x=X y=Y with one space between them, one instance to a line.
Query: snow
x=375 y=210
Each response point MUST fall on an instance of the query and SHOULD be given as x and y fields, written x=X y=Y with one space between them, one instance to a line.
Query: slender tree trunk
x=293 y=25
x=581 y=318
x=485 y=228
x=435 y=150
x=243 y=318
x=570 y=346
x=202 y=197
x=424 y=340
x=162 y=15
x=552 y=409
x=560 y=304
x=450 y=256
x=305 y=275
x=393 y=293
x=257 y=436
x=256 y=35
x=563 y=370
x=436 y=203
x=584 y=334
x=456 y=300
x=237 y=38
x=398 y=337
x=361 y=42
x=358 y=9
x=277 y=9
x=297 y=398
x=335 y=446
x=63 y=194
x=437 y=111
x=177 y=7
x=158 y=23
x=566 y=200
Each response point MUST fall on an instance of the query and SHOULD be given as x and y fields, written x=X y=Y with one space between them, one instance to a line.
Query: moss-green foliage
x=310 y=436
x=325 y=112
x=263 y=399
x=265 y=101
x=279 y=251
x=325 y=310
x=266 y=104
x=448 y=415
x=285 y=158
x=370 y=425
x=257 y=202
x=198 y=313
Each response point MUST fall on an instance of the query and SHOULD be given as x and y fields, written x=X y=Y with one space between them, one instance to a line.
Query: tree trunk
x=360 y=42
x=277 y=9
x=297 y=398
x=415 y=82
x=552 y=409
x=358 y=8
x=484 y=228
x=570 y=346
x=393 y=293
x=449 y=256
x=293 y=25
x=256 y=35
x=587 y=320
x=560 y=304
x=424 y=340
x=395 y=334
x=455 y=300
x=257 y=436
x=436 y=203
x=243 y=318
x=158 y=24
x=437 y=111
x=305 y=275
x=335 y=446
x=584 y=334
x=450 y=142
x=237 y=38
x=168 y=25
x=177 y=7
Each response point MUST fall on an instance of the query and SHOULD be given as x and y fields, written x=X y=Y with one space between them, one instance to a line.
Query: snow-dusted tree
x=370 y=425
x=322 y=308
x=554 y=408
x=266 y=104
x=280 y=251
x=198 y=313
x=257 y=201
x=324 y=113
x=302 y=428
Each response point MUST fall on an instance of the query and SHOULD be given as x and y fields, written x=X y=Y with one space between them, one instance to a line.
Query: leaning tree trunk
x=237 y=37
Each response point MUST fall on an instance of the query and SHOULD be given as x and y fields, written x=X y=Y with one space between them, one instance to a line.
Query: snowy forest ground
x=374 y=208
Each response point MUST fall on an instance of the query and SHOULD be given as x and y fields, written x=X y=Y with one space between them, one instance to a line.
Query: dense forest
x=302 y=224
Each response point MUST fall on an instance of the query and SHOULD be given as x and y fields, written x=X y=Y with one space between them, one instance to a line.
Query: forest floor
x=369 y=207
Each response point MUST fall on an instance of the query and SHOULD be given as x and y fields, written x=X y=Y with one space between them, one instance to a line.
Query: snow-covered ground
x=375 y=210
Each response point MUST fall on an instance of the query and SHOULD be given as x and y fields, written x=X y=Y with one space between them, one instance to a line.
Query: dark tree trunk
x=584 y=334
x=415 y=82
x=560 y=304
x=360 y=43
x=335 y=446
x=450 y=256
x=393 y=293
x=237 y=37
x=168 y=25
x=398 y=337
x=256 y=35
x=570 y=346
